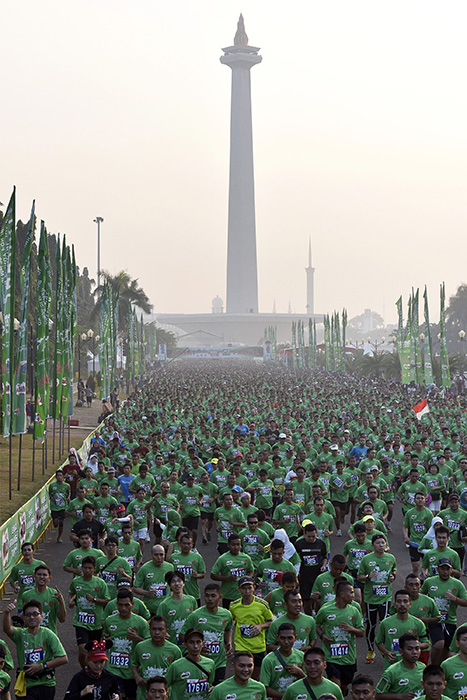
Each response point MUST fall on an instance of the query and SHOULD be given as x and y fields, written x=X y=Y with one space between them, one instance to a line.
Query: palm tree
x=129 y=293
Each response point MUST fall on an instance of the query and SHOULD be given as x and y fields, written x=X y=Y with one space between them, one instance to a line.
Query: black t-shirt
x=104 y=686
x=312 y=555
x=94 y=527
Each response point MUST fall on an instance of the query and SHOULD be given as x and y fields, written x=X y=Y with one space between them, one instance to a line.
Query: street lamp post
x=98 y=220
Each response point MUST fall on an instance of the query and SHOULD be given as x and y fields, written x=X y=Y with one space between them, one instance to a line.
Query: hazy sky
x=121 y=108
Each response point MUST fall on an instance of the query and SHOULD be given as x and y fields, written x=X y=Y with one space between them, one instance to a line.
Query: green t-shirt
x=391 y=628
x=223 y=516
x=455 y=670
x=337 y=487
x=298 y=691
x=76 y=556
x=89 y=614
x=152 y=660
x=355 y=552
x=4 y=682
x=213 y=625
x=274 y=675
x=324 y=585
x=91 y=485
x=453 y=519
x=397 y=678
x=189 y=563
x=148 y=484
x=431 y=558
x=323 y=522
x=263 y=493
x=271 y=573
x=120 y=653
x=342 y=648
x=244 y=616
x=237 y=565
x=189 y=499
x=102 y=505
x=231 y=689
x=187 y=681
x=417 y=523
x=32 y=649
x=302 y=493
x=75 y=509
x=139 y=512
x=176 y=612
x=289 y=514
x=23 y=575
x=50 y=606
x=377 y=590
x=277 y=603
x=251 y=543
x=437 y=589
x=109 y=571
x=59 y=495
x=305 y=627
x=139 y=608
x=152 y=578
x=131 y=552
x=163 y=504
x=210 y=491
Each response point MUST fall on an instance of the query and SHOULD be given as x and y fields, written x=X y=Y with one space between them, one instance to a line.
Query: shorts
x=83 y=635
x=157 y=530
x=425 y=656
x=40 y=692
x=127 y=687
x=415 y=554
x=191 y=522
x=341 y=505
x=207 y=516
x=434 y=505
x=141 y=534
x=449 y=631
x=258 y=658
x=58 y=515
x=344 y=672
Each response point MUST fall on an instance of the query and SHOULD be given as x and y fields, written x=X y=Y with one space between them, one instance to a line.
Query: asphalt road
x=54 y=554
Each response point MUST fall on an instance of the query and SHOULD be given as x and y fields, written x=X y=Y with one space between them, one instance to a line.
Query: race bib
x=341 y=649
x=187 y=570
x=34 y=656
x=238 y=572
x=109 y=576
x=395 y=644
x=213 y=647
x=419 y=527
x=85 y=618
x=444 y=615
x=190 y=500
x=271 y=574
x=226 y=533
x=453 y=524
x=251 y=539
x=196 y=685
x=338 y=482
x=159 y=588
x=119 y=659
x=59 y=501
x=245 y=630
x=27 y=580
x=311 y=560
x=265 y=491
x=382 y=589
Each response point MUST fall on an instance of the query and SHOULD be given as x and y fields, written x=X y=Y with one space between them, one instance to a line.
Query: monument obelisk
x=242 y=273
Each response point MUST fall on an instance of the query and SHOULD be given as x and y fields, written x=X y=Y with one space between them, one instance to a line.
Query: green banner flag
x=67 y=290
x=57 y=369
x=445 y=375
x=327 y=349
x=18 y=421
x=428 y=356
x=416 y=337
x=7 y=298
x=73 y=328
x=44 y=293
x=344 y=338
x=400 y=324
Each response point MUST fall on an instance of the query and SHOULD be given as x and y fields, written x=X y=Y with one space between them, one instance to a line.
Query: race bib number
x=341 y=649
x=444 y=615
x=190 y=501
x=109 y=576
x=251 y=539
x=382 y=589
x=59 y=501
x=226 y=533
x=265 y=491
x=187 y=570
x=271 y=574
x=338 y=482
x=419 y=527
x=196 y=685
x=34 y=656
x=395 y=644
x=159 y=588
x=245 y=631
x=411 y=497
x=85 y=618
x=453 y=524
x=239 y=572
x=213 y=647
x=311 y=560
x=27 y=580
x=119 y=659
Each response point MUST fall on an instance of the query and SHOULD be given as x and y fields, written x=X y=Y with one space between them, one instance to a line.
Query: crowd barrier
x=29 y=523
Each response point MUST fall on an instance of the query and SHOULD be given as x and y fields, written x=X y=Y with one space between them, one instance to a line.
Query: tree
x=129 y=293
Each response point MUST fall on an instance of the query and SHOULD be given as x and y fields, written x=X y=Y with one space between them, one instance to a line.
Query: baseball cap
x=98 y=651
x=193 y=630
x=333 y=447
x=237 y=489
x=245 y=493
x=445 y=561
x=245 y=579
x=282 y=435
x=367 y=517
x=307 y=521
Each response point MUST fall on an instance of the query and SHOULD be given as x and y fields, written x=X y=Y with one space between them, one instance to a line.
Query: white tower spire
x=310 y=284
x=242 y=274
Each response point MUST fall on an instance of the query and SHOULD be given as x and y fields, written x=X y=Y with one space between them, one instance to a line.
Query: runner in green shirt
x=241 y=686
x=74 y=559
x=394 y=626
x=455 y=668
x=282 y=667
x=275 y=599
x=417 y=522
x=191 y=564
x=229 y=568
x=339 y=624
x=324 y=521
x=22 y=574
x=254 y=540
x=89 y=595
x=454 y=518
x=154 y=656
x=263 y=489
x=355 y=549
x=304 y=625
x=314 y=664
x=112 y=567
x=432 y=556
x=192 y=676
x=75 y=506
x=286 y=514
x=129 y=549
x=216 y=624
x=270 y=570
x=38 y=649
x=51 y=599
x=102 y=502
x=323 y=587
x=150 y=583
x=405 y=676
x=59 y=496
x=229 y=520
x=138 y=509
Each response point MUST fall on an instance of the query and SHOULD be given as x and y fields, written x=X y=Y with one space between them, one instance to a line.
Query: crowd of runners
x=295 y=481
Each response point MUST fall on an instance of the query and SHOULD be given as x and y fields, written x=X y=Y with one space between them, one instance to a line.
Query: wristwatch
x=45 y=666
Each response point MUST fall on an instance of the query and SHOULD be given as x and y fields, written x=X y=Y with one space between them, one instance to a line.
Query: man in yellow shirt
x=251 y=617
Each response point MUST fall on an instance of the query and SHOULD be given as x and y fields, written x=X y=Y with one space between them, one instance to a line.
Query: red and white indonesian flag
x=421 y=408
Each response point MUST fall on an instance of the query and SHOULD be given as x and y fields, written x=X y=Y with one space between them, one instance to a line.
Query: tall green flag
x=445 y=376
x=327 y=359
x=344 y=340
x=7 y=298
x=44 y=293
x=294 y=345
x=400 y=325
x=18 y=425
x=428 y=356
x=129 y=352
x=67 y=306
x=415 y=330
x=57 y=368
x=73 y=329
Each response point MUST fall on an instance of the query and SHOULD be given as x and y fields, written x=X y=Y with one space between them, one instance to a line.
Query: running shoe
x=370 y=657
x=339 y=533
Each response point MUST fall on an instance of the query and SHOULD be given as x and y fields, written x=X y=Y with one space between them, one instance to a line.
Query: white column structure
x=242 y=273
x=310 y=284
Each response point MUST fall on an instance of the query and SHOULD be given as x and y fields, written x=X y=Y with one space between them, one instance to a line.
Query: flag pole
x=19 y=460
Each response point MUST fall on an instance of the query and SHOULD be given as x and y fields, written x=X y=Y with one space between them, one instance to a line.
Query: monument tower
x=242 y=273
